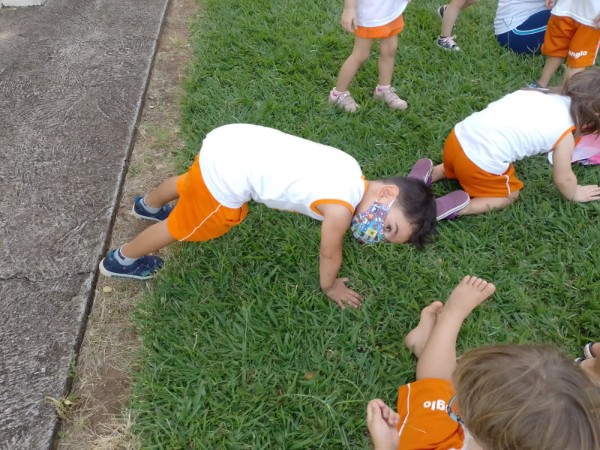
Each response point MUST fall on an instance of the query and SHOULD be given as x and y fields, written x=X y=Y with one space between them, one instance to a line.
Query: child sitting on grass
x=480 y=150
x=241 y=162
x=501 y=397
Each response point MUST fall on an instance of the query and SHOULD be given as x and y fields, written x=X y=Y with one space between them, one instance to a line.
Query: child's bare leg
x=552 y=64
x=360 y=53
x=438 y=173
x=417 y=338
x=438 y=358
x=451 y=14
x=482 y=205
x=570 y=72
x=165 y=192
x=150 y=240
x=387 y=54
x=382 y=422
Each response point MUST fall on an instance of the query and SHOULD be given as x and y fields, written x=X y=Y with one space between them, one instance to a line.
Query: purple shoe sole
x=422 y=170
x=450 y=204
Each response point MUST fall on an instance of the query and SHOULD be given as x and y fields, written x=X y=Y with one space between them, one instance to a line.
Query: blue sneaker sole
x=110 y=274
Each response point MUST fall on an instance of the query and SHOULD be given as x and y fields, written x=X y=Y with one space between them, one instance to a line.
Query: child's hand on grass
x=587 y=193
x=343 y=295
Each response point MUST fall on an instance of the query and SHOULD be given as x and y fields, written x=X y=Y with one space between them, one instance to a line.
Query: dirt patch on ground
x=95 y=414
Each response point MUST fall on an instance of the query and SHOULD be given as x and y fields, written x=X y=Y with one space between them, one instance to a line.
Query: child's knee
x=388 y=47
x=360 y=56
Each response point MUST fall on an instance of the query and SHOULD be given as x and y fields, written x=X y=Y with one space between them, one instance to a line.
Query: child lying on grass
x=241 y=162
x=501 y=397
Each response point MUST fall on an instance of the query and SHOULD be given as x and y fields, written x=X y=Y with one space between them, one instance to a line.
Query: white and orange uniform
x=377 y=19
x=571 y=32
x=241 y=162
x=424 y=422
x=481 y=149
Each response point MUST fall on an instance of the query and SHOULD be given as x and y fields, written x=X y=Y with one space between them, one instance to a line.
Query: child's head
x=584 y=90
x=417 y=204
x=527 y=398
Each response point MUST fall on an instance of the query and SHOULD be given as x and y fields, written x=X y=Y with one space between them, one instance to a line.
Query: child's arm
x=336 y=220
x=563 y=175
x=550 y=4
x=349 y=16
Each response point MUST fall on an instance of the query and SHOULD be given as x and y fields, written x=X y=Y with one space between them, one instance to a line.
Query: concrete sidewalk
x=72 y=79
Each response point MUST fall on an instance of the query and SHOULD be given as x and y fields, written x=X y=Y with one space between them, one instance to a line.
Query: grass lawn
x=241 y=350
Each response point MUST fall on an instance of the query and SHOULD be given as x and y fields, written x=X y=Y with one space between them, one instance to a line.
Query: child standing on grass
x=481 y=149
x=573 y=32
x=449 y=13
x=242 y=162
x=370 y=20
x=502 y=397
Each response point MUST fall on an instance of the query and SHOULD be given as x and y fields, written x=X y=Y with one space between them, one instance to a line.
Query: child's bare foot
x=382 y=422
x=469 y=293
x=417 y=338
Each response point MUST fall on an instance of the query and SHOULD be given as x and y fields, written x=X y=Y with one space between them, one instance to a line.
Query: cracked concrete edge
x=117 y=200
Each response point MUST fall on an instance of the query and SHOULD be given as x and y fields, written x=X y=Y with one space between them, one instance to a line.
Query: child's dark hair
x=584 y=90
x=526 y=397
x=418 y=205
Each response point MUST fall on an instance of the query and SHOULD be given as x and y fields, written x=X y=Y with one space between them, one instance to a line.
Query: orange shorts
x=424 y=421
x=198 y=216
x=384 y=31
x=475 y=181
x=565 y=37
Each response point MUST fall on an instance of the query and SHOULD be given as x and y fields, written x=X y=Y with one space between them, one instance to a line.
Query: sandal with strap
x=390 y=98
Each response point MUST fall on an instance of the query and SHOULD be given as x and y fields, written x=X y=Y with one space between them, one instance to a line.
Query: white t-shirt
x=242 y=162
x=512 y=13
x=524 y=123
x=374 y=13
x=583 y=11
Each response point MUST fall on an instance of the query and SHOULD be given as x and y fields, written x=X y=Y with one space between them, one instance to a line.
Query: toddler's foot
x=342 y=100
x=469 y=293
x=447 y=43
x=422 y=170
x=382 y=422
x=142 y=268
x=417 y=338
x=143 y=211
x=451 y=204
x=387 y=94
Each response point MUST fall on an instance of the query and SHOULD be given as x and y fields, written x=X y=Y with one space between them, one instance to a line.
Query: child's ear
x=389 y=191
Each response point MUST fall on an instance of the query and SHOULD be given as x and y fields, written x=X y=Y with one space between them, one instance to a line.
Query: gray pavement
x=72 y=79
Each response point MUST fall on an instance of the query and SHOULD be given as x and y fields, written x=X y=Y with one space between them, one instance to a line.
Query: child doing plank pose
x=241 y=162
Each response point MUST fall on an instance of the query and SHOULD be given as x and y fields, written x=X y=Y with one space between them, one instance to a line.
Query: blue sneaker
x=140 y=212
x=143 y=268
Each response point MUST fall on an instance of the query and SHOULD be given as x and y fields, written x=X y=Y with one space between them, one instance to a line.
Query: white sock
x=149 y=209
x=122 y=259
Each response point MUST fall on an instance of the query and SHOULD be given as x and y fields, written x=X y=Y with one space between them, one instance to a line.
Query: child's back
x=242 y=162
x=523 y=123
